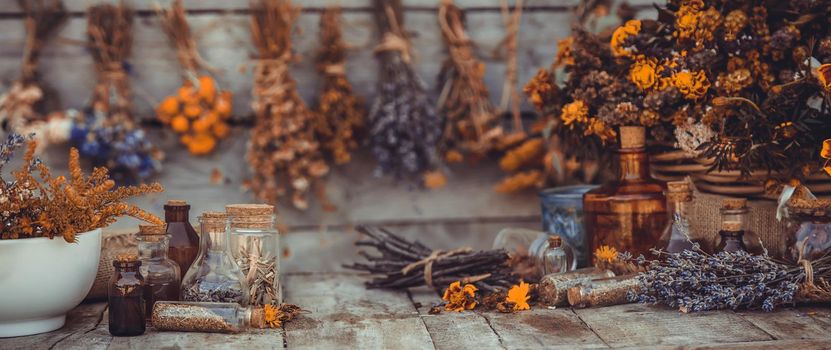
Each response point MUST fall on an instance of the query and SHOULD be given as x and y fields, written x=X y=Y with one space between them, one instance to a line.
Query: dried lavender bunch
x=404 y=127
x=696 y=281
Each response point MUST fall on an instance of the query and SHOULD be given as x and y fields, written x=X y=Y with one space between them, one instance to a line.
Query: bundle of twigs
x=472 y=121
x=24 y=102
x=406 y=264
x=107 y=131
x=284 y=154
x=404 y=126
x=340 y=112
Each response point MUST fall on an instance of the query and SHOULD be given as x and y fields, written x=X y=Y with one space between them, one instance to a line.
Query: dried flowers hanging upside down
x=340 y=113
x=198 y=112
x=404 y=128
x=51 y=206
x=283 y=153
x=472 y=125
x=25 y=102
x=106 y=131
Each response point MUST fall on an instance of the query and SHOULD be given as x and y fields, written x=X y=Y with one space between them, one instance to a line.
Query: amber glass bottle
x=126 y=299
x=629 y=213
x=184 y=242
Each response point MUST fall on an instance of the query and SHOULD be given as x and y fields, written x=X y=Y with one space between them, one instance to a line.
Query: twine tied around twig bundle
x=394 y=39
x=427 y=262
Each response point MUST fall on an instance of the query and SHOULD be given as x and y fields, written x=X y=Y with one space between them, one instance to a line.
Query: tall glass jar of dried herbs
x=161 y=274
x=126 y=299
x=255 y=244
x=214 y=276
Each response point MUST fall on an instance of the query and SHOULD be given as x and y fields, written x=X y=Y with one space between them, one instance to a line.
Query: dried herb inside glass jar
x=126 y=299
x=214 y=275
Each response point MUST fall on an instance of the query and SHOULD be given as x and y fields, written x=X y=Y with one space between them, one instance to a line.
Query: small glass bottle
x=214 y=275
x=557 y=257
x=562 y=213
x=125 y=297
x=630 y=213
x=184 y=316
x=734 y=218
x=677 y=236
x=184 y=242
x=528 y=248
x=162 y=276
x=255 y=245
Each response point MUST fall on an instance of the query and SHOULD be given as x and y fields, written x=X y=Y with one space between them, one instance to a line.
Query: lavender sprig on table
x=696 y=281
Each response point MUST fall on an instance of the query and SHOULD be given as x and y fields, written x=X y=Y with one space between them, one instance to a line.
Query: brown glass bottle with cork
x=184 y=242
x=629 y=213
x=126 y=297
x=735 y=234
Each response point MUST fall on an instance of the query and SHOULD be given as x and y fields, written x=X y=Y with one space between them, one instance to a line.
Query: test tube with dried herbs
x=255 y=244
x=603 y=292
x=553 y=289
x=340 y=113
x=206 y=317
x=284 y=154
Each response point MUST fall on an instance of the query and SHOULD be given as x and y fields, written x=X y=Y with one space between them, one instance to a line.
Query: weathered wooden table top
x=344 y=315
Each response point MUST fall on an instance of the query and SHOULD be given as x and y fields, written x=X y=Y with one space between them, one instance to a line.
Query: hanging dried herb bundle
x=340 y=113
x=50 y=206
x=106 y=131
x=198 y=112
x=472 y=125
x=24 y=103
x=404 y=128
x=405 y=264
x=283 y=153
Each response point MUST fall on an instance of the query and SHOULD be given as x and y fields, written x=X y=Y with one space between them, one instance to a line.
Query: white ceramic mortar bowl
x=42 y=279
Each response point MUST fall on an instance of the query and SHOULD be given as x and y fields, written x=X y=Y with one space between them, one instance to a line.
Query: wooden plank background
x=224 y=41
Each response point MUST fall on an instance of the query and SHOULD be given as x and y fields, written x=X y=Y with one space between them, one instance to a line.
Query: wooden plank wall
x=223 y=38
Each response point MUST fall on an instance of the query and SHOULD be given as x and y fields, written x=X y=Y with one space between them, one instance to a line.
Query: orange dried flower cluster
x=460 y=298
x=284 y=153
x=198 y=111
x=340 y=113
x=51 y=206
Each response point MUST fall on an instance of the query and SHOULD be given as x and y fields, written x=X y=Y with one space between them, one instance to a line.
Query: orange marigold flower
x=598 y=128
x=692 y=85
x=606 y=253
x=434 y=179
x=518 y=296
x=564 y=52
x=575 y=112
x=168 y=107
x=643 y=73
x=632 y=27
x=460 y=298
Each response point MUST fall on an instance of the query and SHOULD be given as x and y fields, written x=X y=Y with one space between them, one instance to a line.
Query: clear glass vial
x=162 y=276
x=255 y=245
x=184 y=316
x=214 y=275
x=557 y=257
x=677 y=236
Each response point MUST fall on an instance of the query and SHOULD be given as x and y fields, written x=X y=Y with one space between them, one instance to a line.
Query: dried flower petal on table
x=340 y=113
x=606 y=253
x=404 y=128
x=283 y=153
x=198 y=112
x=276 y=316
x=518 y=296
x=460 y=298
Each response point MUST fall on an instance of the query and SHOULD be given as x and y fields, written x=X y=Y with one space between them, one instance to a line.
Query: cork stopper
x=258 y=317
x=734 y=203
x=149 y=230
x=731 y=226
x=554 y=241
x=577 y=296
x=214 y=215
x=126 y=257
x=632 y=137
x=249 y=209
x=176 y=203
x=678 y=186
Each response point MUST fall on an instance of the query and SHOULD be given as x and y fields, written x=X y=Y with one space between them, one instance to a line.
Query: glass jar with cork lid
x=255 y=245
x=162 y=275
x=735 y=233
x=214 y=275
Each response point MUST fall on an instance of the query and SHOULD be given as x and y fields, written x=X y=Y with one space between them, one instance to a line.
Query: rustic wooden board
x=541 y=328
x=343 y=314
x=760 y=345
x=454 y=330
x=642 y=325
x=788 y=324
x=80 y=320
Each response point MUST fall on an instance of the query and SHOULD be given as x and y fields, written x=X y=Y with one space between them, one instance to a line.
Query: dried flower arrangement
x=460 y=298
x=696 y=281
x=199 y=111
x=404 y=126
x=405 y=264
x=472 y=123
x=733 y=85
x=24 y=102
x=58 y=206
x=106 y=131
x=340 y=113
x=283 y=153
